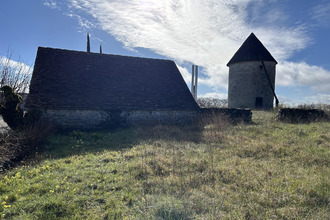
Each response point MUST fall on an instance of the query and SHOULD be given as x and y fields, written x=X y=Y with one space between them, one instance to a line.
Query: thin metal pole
x=192 y=80
x=196 y=80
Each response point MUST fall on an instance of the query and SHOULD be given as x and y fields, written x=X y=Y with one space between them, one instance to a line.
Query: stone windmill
x=252 y=76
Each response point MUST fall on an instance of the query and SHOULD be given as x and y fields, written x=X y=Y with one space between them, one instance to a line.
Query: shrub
x=20 y=144
x=10 y=112
x=13 y=115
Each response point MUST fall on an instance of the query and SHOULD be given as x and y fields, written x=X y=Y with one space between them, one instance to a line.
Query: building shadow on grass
x=65 y=144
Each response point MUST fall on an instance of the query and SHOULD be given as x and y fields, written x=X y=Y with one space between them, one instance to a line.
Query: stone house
x=81 y=90
x=252 y=76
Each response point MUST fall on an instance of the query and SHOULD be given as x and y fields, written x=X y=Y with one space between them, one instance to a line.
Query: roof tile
x=251 y=50
x=64 y=79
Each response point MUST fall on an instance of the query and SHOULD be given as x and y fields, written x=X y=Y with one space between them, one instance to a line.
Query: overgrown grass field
x=215 y=170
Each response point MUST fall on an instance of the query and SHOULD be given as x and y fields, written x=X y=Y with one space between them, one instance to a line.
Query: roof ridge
x=101 y=54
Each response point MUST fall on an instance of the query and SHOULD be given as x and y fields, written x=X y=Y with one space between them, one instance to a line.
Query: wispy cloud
x=206 y=33
x=321 y=14
x=50 y=3
x=203 y=32
x=83 y=22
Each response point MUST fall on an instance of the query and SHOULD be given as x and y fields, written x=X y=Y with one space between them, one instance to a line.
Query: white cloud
x=319 y=98
x=302 y=74
x=321 y=14
x=185 y=74
x=84 y=23
x=216 y=95
x=51 y=4
x=15 y=74
x=17 y=65
x=206 y=33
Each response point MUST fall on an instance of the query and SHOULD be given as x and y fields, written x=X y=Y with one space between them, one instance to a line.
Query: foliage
x=13 y=115
x=10 y=111
x=16 y=146
x=263 y=170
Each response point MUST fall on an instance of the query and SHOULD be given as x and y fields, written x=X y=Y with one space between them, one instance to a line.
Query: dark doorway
x=258 y=102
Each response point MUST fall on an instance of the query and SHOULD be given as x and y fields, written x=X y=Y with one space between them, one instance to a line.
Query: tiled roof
x=64 y=79
x=251 y=50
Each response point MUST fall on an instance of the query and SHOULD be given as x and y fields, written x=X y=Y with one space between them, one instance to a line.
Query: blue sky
x=206 y=33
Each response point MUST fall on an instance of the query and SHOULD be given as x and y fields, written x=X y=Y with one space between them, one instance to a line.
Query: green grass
x=264 y=170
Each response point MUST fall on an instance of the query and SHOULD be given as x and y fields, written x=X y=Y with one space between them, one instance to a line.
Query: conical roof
x=251 y=50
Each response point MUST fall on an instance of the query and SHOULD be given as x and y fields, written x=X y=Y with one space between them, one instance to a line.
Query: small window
x=258 y=102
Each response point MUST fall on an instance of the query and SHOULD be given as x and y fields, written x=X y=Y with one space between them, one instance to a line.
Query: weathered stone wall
x=247 y=81
x=91 y=119
x=162 y=116
x=74 y=119
x=296 y=115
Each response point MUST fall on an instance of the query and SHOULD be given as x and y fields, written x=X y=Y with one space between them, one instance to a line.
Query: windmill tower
x=252 y=76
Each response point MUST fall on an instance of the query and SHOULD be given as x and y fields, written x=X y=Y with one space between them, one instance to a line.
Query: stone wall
x=91 y=119
x=296 y=115
x=247 y=81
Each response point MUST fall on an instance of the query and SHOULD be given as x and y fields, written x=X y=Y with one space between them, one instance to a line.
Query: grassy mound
x=264 y=170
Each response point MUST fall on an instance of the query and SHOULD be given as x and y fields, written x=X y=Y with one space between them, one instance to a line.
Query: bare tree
x=212 y=103
x=15 y=74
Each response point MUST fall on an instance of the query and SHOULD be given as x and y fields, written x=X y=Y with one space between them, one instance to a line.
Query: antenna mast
x=88 y=44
